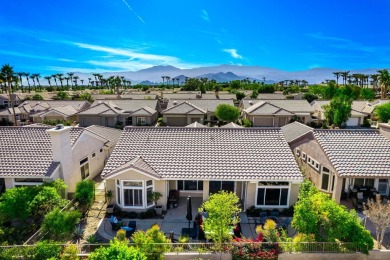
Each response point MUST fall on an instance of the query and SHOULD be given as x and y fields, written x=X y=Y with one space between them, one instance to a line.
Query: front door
x=215 y=186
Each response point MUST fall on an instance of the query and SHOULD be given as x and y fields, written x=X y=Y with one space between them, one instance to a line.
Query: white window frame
x=304 y=156
x=142 y=119
x=331 y=179
x=313 y=163
x=21 y=184
x=197 y=186
x=122 y=188
x=93 y=155
x=364 y=182
x=82 y=165
x=273 y=187
x=387 y=186
x=297 y=152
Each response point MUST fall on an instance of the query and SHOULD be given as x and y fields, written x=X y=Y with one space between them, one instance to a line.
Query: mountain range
x=225 y=73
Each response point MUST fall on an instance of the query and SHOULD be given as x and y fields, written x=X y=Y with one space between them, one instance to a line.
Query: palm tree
x=54 y=76
x=163 y=77
x=20 y=74
x=89 y=81
x=82 y=82
x=384 y=79
x=375 y=78
x=344 y=75
x=48 y=79
x=60 y=78
x=337 y=75
x=7 y=73
x=75 y=78
x=27 y=75
x=67 y=82
x=33 y=79
x=37 y=77
x=70 y=74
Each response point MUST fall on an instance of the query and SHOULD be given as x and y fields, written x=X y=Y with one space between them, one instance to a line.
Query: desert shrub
x=70 y=253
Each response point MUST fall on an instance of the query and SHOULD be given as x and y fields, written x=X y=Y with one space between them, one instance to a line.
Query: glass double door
x=215 y=186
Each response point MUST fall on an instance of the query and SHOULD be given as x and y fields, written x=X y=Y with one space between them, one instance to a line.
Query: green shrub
x=85 y=194
x=60 y=225
x=46 y=250
x=118 y=250
x=146 y=242
x=70 y=253
x=383 y=112
x=246 y=122
x=37 y=97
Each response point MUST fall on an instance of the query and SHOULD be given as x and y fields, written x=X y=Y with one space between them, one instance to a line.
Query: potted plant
x=155 y=196
x=108 y=197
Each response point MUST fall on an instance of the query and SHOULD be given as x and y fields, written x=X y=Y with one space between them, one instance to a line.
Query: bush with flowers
x=265 y=246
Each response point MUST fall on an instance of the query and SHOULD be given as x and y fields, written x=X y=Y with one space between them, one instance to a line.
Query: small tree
x=62 y=95
x=46 y=200
x=225 y=112
x=85 y=193
x=155 y=196
x=70 y=253
x=46 y=250
x=118 y=250
x=338 y=111
x=379 y=214
x=60 y=224
x=383 y=112
x=222 y=209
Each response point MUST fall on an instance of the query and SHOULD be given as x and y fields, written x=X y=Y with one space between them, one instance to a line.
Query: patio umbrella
x=189 y=212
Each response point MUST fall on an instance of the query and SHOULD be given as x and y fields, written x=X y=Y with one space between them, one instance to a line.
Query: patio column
x=338 y=186
x=205 y=190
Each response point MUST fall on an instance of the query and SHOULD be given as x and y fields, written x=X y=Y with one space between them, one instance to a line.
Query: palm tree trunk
x=10 y=99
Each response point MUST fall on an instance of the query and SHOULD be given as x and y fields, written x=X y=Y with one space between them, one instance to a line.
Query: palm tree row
x=289 y=83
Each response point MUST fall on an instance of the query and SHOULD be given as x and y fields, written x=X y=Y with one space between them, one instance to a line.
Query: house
x=16 y=99
x=255 y=163
x=124 y=112
x=32 y=155
x=337 y=161
x=124 y=96
x=39 y=111
x=278 y=112
x=358 y=111
x=185 y=112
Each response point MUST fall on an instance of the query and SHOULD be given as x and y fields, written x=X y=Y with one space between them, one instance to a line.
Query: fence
x=286 y=247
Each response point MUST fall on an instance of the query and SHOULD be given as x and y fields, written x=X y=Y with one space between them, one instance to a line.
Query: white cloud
x=205 y=15
x=233 y=53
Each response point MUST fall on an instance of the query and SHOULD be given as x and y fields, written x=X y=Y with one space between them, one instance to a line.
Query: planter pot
x=158 y=210
x=110 y=209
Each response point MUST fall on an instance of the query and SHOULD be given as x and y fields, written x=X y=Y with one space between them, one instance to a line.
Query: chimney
x=62 y=152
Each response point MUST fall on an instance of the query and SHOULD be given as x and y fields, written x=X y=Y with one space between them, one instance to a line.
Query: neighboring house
x=196 y=124
x=231 y=125
x=65 y=113
x=278 y=112
x=270 y=96
x=54 y=109
x=5 y=103
x=339 y=160
x=125 y=111
x=185 y=112
x=124 y=96
x=358 y=111
x=32 y=155
x=256 y=164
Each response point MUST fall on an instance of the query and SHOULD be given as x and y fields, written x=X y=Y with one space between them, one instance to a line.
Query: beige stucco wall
x=159 y=185
x=385 y=130
x=86 y=120
x=200 y=118
x=150 y=120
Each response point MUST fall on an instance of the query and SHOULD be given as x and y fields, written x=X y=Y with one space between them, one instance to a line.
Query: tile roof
x=220 y=96
x=129 y=105
x=26 y=151
x=292 y=105
x=102 y=107
x=207 y=153
x=209 y=105
x=361 y=153
x=144 y=111
x=174 y=96
x=45 y=104
x=231 y=125
x=265 y=108
x=196 y=124
x=183 y=107
x=295 y=130
x=110 y=134
x=270 y=96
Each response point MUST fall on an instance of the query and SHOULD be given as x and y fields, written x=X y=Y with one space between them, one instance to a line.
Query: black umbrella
x=189 y=211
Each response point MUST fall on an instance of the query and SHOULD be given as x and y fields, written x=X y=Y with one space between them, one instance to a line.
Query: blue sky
x=119 y=35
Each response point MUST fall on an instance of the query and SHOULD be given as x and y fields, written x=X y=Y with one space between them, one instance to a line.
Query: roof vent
x=59 y=126
x=250 y=102
x=175 y=103
x=100 y=102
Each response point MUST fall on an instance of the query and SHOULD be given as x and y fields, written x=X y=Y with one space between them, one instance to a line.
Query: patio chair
x=132 y=224
x=275 y=214
x=173 y=198
x=116 y=223
x=360 y=197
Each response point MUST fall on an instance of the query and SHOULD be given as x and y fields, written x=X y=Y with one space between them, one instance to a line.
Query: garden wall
x=373 y=255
